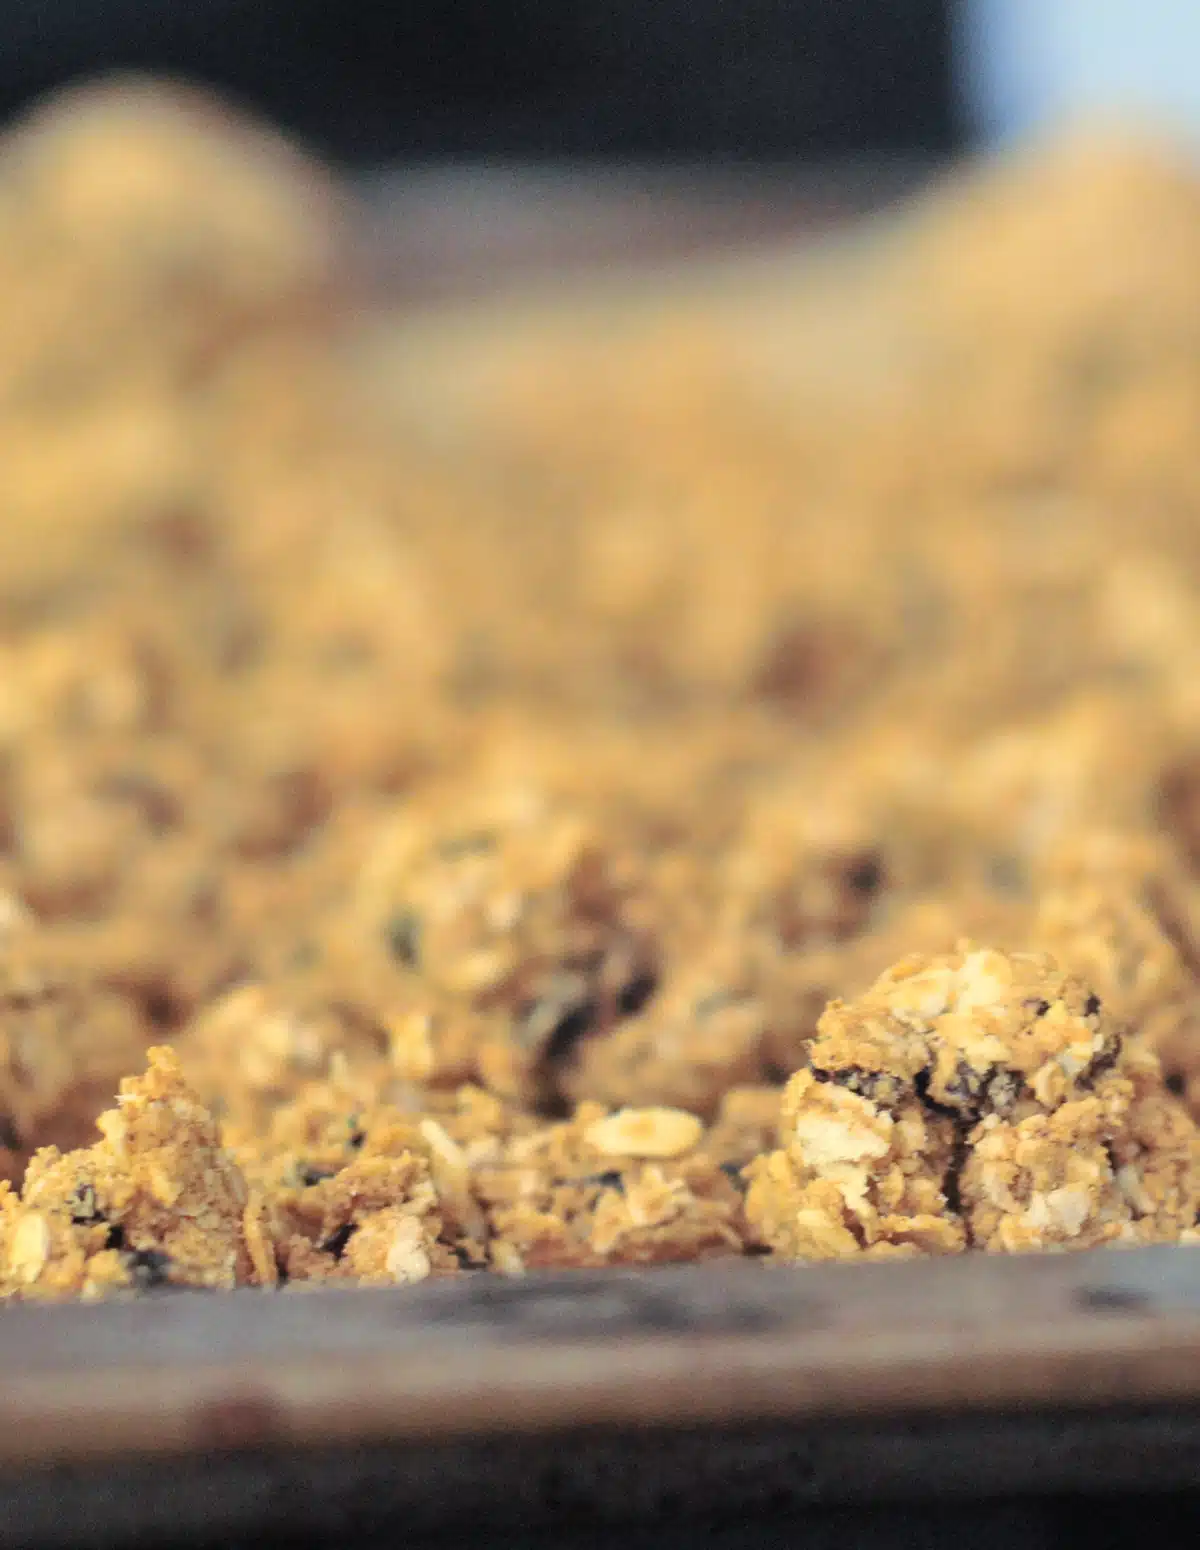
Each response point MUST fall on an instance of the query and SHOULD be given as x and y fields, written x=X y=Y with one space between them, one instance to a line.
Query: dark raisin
x=1092 y=1005
x=635 y=995
x=1039 y=1008
x=116 y=1237
x=1176 y=1083
x=609 y=1179
x=403 y=937
x=1103 y=1060
x=562 y=1011
x=357 y=1134
x=83 y=1207
x=159 y=1007
x=337 y=1240
x=875 y=1086
x=308 y=1175
x=965 y=1088
x=10 y=1140
x=574 y=1025
x=921 y=1082
x=865 y=876
x=149 y=1268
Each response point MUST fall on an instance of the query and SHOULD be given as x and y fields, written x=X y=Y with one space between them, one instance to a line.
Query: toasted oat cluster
x=975 y=1100
x=157 y=1200
x=514 y=795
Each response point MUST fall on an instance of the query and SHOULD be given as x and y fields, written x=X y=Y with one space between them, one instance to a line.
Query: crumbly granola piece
x=636 y=1187
x=349 y=1178
x=1120 y=910
x=508 y=904
x=701 y=1033
x=374 y=1222
x=157 y=1201
x=981 y=1099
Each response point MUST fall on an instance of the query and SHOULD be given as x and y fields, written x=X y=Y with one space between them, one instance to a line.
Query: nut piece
x=645 y=1133
x=407 y=1260
x=30 y=1247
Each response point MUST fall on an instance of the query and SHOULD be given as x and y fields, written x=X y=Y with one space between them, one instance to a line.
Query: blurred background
x=703 y=125
x=370 y=82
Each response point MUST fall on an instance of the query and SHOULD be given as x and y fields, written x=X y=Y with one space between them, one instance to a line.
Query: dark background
x=367 y=81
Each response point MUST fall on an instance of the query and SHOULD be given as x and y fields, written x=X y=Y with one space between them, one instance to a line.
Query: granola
x=979 y=1100
x=708 y=780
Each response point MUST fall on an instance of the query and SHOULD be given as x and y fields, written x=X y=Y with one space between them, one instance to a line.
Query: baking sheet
x=716 y=1388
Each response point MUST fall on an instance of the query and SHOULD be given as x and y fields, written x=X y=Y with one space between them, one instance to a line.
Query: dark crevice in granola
x=952 y=1182
x=876 y=1086
x=337 y=1240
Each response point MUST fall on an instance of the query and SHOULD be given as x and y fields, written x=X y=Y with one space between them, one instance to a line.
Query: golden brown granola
x=978 y=1100
x=500 y=764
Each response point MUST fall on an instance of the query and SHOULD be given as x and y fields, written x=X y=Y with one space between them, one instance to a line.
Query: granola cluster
x=975 y=1100
x=636 y=785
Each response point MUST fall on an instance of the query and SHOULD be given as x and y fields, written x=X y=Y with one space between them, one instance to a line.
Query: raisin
x=574 y=1025
x=403 y=937
x=875 y=1086
x=1103 y=1060
x=337 y=1240
x=965 y=1089
x=609 y=1179
x=83 y=1207
x=633 y=997
x=866 y=876
x=150 y=1268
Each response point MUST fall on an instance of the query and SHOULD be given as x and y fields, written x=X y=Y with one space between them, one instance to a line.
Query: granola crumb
x=156 y=1201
